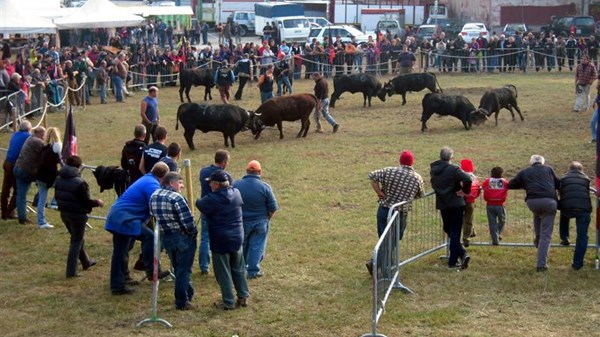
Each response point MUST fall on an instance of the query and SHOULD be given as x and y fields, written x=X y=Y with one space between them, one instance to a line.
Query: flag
x=70 y=141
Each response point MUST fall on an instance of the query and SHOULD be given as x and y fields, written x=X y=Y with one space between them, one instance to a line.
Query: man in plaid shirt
x=585 y=75
x=178 y=234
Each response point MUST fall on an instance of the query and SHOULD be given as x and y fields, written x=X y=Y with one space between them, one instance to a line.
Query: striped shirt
x=172 y=212
x=399 y=184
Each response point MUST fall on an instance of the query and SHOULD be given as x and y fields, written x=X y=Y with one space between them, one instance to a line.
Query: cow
x=409 y=82
x=226 y=118
x=365 y=83
x=451 y=105
x=196 y=77
x=283 y=108
x=494 y=100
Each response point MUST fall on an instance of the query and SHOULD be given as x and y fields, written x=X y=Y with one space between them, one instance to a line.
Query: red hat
x=406 y=158
x=467 y=165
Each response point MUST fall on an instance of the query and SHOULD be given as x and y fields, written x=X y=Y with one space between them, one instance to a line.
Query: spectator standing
x=155 y=151
x=126 y=221
x=585 y=75
x=131 y=155
x=178 y=234
x=47 y=172
x=223 y=210
x=540 y=184
x=224 y=79
x=495 y=190
x=220 y=163
x=265 y=84
x=26 y=168
x=150 y=113
x=101 y=80
x=204 y=28
x=571 y=47
x=322 y=93
x=406 y=60
x=173 y=152
x=9 y=182
x=258 y=209
x=470 y=198
x=451 y=184
x=74 y=203
x=575 y=202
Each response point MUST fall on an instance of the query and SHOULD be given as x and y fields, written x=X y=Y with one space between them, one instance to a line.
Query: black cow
x=196 y=77
x=226 y=118
x=494 y=100
x=283 y=108
x=365 y=83
x=409 y=82
x=451 y=105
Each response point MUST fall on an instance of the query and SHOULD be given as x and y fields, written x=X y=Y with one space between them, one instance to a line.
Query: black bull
x=409 y=82
x=196 y=77
x=283 y=108
x=365 y=83
x=225 y=118
x=451 y=105
x=494 y=100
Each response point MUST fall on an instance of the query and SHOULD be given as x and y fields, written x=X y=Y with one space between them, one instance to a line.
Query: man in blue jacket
x=126 y=221
x=259 y=206
x=223 y=211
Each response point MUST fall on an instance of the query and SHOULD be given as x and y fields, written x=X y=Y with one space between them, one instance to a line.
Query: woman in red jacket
x=467 y=228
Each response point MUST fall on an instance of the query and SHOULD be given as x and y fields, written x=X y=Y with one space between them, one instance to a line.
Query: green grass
x=315 y=282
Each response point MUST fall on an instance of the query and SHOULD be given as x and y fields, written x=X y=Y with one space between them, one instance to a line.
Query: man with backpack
x=224 y=79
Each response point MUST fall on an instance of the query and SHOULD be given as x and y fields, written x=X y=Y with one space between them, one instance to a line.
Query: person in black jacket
x=540 y=184
x=575 y=202
x=451 y=184
x=132 y=153
x=74 y=203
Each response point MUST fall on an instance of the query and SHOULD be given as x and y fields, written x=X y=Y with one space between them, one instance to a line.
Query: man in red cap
x=393 y=185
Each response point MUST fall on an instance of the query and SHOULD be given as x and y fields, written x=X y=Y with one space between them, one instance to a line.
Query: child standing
x=495 y=190
x=467 y=228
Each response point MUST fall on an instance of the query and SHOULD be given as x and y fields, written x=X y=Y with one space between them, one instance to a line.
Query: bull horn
x=487 y=113
x=257 y=114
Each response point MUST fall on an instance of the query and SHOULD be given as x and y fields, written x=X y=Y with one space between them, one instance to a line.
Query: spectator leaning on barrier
x=26 y=168
x=540 y=184
x=258 y=209
x=575 y=202
x=470 y=199
x=495 y=190
x=451 y=184
x=8 y=202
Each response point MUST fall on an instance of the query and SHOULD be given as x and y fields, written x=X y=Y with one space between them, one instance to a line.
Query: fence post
x=13 y=112
x=189 y=193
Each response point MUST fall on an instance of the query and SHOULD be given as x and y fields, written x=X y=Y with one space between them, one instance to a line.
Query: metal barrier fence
x=423 y=235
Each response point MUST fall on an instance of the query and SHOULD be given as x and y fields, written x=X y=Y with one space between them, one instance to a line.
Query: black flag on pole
x=70 y=141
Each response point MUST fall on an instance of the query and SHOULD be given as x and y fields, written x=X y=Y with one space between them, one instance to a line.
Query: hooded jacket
x=538 y=180
x=223 y=211
x=446 y=180
x=467 y=166
x=72 y=192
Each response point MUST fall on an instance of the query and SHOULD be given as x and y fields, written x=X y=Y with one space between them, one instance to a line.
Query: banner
x=70 y=141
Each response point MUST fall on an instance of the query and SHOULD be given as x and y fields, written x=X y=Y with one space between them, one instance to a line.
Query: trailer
x=371 y=16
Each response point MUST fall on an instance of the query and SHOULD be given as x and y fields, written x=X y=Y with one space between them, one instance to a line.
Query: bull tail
x=514 y=88
x=437 y=82
x=177 y=119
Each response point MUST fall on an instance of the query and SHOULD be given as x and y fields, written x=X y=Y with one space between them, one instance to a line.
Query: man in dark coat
x=451 y=184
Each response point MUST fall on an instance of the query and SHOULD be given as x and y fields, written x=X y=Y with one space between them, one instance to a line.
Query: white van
x=289 y=18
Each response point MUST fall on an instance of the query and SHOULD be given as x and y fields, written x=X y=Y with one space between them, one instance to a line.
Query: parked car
x=427 y=32
x=449 y=26
x=579 y=26
x=246 y=21
x=510 y=29
x=393 y=26
x=317 y=21
x=472 y=30
x=346 y=32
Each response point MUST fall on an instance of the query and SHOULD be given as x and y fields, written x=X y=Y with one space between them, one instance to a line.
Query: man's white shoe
x=45 y=226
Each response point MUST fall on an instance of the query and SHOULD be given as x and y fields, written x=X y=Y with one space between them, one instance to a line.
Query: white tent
x=146 y=11
x=98 y=14
x=15 y=21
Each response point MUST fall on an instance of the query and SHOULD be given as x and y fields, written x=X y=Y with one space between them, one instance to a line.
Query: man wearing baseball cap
x=258 y=209
x=223 y=211
x=393 y=185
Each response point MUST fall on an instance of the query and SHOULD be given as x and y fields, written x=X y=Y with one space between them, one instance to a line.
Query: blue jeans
x=117 y=83
x=230 y=268
x=452 y=221
x=496 y=216
x=24 y=181
x=594 y=123
x=582 y=221
x=264 y=96
x=255 y=243
x=120 y=256
x=280 y=82
x=102 y=93
x=42 y=198
x=181 y=249
x=382 y=213
x=204 y=251
x=325 y=112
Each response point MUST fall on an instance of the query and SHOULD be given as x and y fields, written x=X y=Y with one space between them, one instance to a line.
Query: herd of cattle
x=230 y=119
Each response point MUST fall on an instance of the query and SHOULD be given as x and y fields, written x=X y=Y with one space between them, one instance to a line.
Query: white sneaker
x=45 y=226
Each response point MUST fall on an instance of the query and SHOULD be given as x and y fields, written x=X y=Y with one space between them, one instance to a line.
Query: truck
x=245 y=20
x=289 y=18
x=371 y=17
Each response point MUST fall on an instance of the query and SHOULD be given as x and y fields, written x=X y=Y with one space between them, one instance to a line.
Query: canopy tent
x=98 y=14
x=146 y=11
x=15 y=21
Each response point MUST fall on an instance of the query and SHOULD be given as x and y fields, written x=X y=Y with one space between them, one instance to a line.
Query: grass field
x=315 y=283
